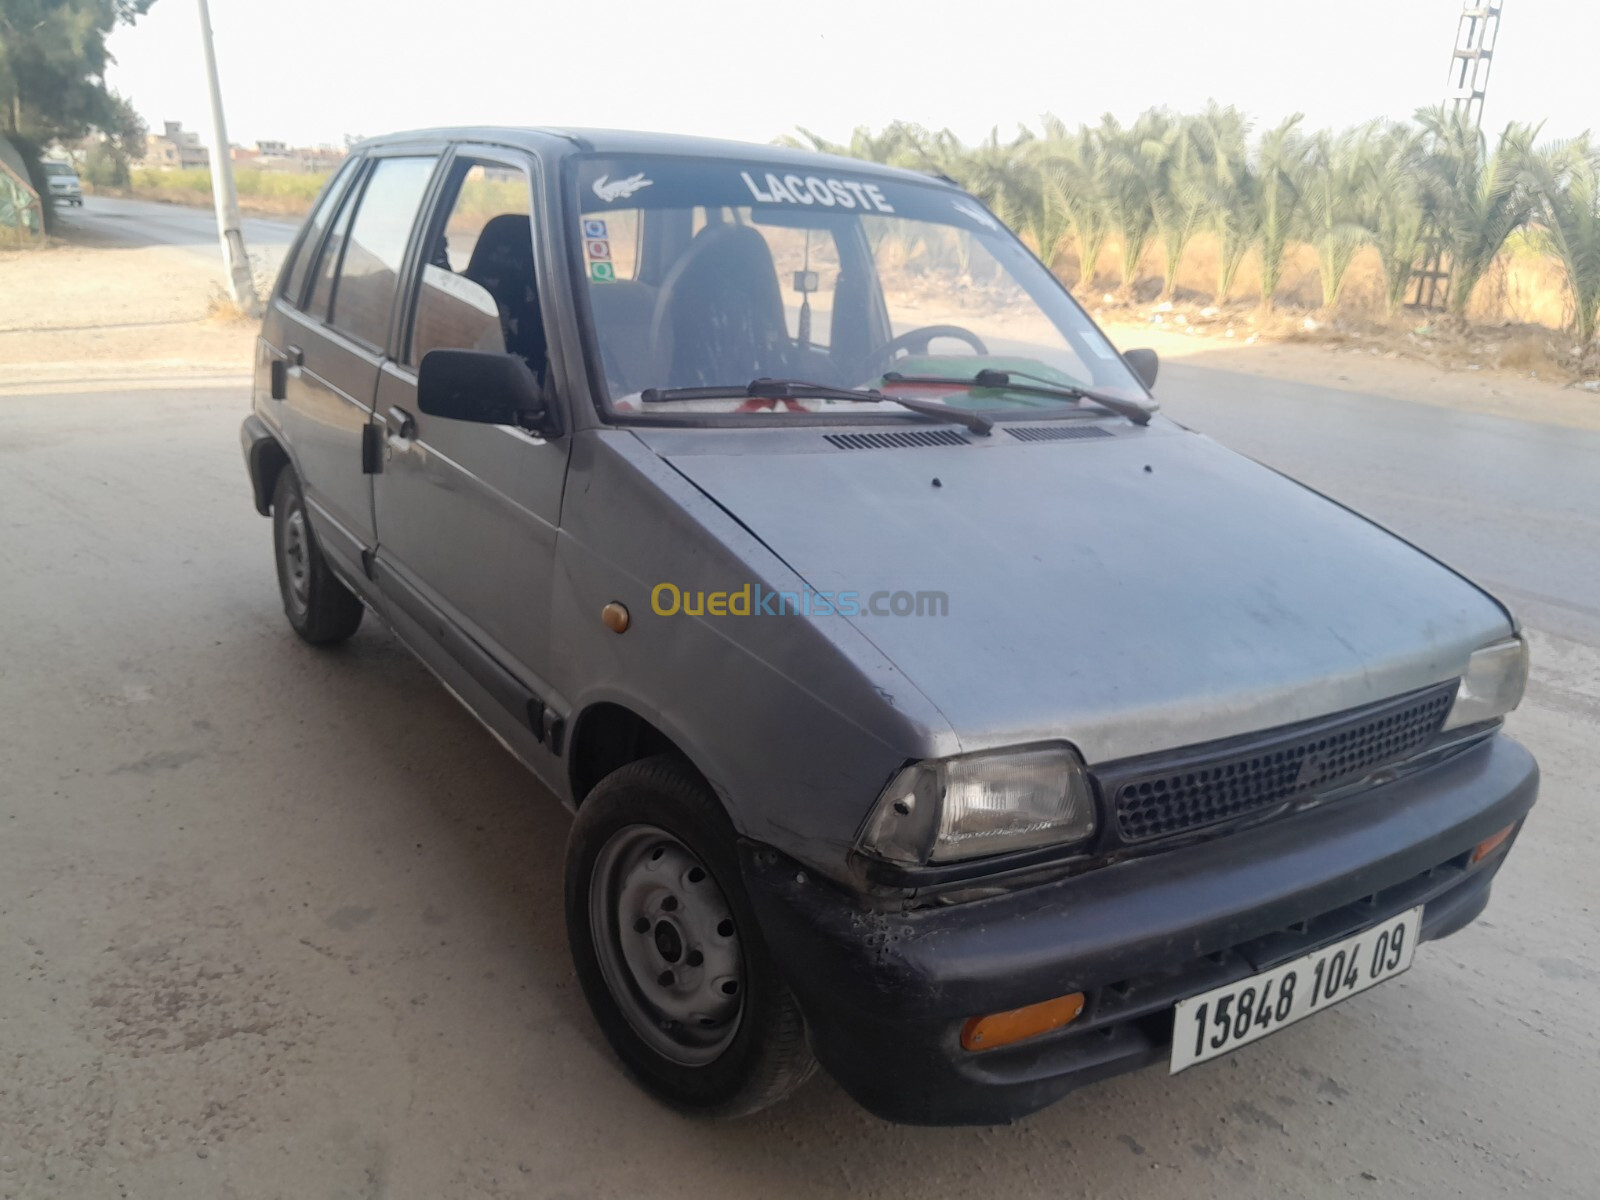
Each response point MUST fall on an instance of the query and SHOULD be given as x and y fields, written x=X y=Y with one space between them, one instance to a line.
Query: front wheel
x=667 y=948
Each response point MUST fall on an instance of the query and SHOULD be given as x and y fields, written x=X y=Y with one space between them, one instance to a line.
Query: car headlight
x=1492 y=685
x=979 y=804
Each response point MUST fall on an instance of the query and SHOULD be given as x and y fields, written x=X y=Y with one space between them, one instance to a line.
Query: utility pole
x=1476 y=34
x=235 y=262
x=1470 y=60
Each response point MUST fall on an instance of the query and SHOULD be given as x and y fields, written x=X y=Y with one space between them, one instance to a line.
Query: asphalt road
x=1513 y=504
x=281 y=922
x=116 y=222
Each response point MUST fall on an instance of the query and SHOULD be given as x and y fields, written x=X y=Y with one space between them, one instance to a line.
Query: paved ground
x=283 y=923
x=193 y=230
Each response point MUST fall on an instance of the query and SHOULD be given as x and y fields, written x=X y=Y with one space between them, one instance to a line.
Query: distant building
x=175 y=147
x=280 y=156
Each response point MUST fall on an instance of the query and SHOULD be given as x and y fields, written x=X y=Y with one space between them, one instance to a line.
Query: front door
x=467 y=513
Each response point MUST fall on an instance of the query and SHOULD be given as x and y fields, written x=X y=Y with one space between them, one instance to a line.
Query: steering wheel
x=918 y=341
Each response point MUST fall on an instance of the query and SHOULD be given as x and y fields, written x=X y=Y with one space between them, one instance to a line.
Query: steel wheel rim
x=296 y=559
x=667 y=944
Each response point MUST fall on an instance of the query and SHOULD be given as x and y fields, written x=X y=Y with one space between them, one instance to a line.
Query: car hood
x=1129 y=590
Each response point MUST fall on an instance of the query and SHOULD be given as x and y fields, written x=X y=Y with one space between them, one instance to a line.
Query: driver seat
x=502 y=264
x=719 y=315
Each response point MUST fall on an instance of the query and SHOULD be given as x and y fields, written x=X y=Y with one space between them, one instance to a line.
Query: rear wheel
x=668 y=950
x=320 y=608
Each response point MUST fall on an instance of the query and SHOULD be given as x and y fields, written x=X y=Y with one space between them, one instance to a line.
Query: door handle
x=294 y=356
x=400 y=423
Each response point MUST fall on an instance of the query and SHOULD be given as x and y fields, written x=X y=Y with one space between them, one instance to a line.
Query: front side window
x=369 y=268
x=478 y=289
x=709 y=274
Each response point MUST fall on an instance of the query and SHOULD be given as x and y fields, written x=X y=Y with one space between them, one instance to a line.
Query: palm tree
x=1228 y=186
x=1482 y=198
x=1177 y=194
x=1335 y=184
x=1567 y=182
x=1279 y=179
x=1074 y=176
x=1127 y=175
x=1396 y=202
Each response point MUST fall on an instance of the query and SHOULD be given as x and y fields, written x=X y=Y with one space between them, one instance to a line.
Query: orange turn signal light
x=1489 y=845
x=1003 y=1028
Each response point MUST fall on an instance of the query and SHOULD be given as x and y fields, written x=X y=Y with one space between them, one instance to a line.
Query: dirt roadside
x=79 y=311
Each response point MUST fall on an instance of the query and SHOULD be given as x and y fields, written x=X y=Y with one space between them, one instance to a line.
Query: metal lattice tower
x=1473 y=56
x=1470 y=61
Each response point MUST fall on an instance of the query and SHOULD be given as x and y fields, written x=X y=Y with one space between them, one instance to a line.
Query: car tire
x=320 y=608
x=667 y=947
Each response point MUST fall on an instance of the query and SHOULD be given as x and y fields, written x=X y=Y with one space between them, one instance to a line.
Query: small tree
x=1228 y=188
x=52 y=71
x=1396 y=201
x=1480 y=198
x=1337 y=169
x=1075 y=178
x=1127 y=174
x=1279 y=177
x=1567 y=183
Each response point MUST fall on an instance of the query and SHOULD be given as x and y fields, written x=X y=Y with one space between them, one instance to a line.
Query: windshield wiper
x=991 y=378
x=799 y=389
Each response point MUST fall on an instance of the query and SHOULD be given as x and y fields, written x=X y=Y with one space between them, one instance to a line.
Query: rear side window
x=369 y=267
x=294 y=278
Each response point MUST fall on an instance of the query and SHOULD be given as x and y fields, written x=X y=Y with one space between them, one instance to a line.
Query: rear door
x=334 y=342
x=467 y=513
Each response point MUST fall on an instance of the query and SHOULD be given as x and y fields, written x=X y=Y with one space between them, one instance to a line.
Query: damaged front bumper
x=885 y=993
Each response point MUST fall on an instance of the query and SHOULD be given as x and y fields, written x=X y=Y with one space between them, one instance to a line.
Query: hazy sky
x=310 y=71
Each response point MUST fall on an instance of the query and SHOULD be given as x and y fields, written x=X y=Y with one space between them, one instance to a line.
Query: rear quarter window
x=299 y=266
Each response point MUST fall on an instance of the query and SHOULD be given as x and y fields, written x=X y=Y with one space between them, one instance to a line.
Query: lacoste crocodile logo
x=617 y=189
x=976 y=213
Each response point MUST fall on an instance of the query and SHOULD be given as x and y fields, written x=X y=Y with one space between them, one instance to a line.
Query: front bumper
x=885 y=993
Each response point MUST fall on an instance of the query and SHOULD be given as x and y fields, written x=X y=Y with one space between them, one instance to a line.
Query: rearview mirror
x=489 y=387
x=1145 y=364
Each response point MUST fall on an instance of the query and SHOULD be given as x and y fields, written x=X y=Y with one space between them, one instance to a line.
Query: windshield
x=52 y=168
x=713 y=273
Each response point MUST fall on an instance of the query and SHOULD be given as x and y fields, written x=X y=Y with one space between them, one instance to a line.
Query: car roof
x=627 y=142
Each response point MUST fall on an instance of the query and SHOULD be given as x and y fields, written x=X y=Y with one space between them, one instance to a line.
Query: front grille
x=1204 y=785
x=909 y=437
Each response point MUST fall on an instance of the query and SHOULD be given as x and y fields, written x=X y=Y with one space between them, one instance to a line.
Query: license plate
x=1225 y=1018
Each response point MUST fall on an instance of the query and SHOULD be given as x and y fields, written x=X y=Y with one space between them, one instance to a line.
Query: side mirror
x=1145 y=364
x=489 y=387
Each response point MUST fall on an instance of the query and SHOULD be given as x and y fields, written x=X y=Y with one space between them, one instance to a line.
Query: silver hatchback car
x=931 y=707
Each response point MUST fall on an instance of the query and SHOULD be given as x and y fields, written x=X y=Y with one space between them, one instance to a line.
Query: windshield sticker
x=602 y=272
x=620 y=189
x=595 y=248
x=594 y=228
x=808 y=190
x=967 y=209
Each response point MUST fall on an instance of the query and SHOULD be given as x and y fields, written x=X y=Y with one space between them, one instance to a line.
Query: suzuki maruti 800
x=931 y=707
